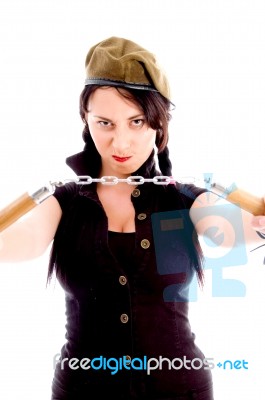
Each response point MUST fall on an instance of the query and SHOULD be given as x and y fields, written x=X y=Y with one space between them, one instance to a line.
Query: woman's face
x=119 y=131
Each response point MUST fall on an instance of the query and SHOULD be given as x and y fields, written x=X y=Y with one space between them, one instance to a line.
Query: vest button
x=136 y=193
x=124 y=318
x=122 y=280
x=128 y=360
x=145 y=244
x=141 y=216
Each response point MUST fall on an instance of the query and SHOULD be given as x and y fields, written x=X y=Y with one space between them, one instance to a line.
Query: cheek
x=96 y=134
x=151 y=138
x=98 y=141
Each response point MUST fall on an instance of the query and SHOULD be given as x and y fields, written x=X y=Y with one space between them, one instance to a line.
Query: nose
x=121 y=141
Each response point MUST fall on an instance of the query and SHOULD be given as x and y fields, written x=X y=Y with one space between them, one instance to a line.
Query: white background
x=213 y=53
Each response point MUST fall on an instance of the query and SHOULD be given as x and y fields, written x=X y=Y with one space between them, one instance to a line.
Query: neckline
x=121 y=233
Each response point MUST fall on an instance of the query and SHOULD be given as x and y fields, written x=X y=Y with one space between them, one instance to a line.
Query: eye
x=138 y=122
x=104 y=124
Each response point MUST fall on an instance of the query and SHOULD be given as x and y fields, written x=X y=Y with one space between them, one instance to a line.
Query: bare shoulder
x=31 y=235
x=44 y=219
x=207 y=199
x=212 y=216
x=203 y=211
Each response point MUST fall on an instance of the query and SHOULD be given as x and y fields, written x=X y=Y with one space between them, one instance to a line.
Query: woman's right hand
x=1 y=243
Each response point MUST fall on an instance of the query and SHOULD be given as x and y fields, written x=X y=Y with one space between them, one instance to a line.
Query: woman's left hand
x=258 y=222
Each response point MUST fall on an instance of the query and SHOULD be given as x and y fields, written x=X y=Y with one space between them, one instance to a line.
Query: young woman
x=126 y=253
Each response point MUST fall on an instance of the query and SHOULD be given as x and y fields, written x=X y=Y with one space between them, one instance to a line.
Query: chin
x=127 y=169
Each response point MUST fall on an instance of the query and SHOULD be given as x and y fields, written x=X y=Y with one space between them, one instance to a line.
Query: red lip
x=121 y=159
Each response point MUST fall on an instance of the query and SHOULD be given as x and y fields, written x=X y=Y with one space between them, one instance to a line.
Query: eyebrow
x=129 y=119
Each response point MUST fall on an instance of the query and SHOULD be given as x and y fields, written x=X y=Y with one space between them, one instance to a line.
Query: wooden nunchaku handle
x=248 y=202
x=23 y=204
x=15 y=210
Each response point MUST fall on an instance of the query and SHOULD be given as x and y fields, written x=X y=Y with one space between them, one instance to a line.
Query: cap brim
x=108 y=82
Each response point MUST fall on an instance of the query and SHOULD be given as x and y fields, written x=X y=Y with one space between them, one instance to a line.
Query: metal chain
x=113 y=180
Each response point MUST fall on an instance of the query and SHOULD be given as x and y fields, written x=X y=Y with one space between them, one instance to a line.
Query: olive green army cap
x=120 y=62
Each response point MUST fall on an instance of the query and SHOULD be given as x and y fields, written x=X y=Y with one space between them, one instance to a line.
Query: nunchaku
x=26 y=202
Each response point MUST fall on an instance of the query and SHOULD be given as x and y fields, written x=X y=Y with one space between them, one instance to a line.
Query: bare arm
x=213 y=215
x=30 y=236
